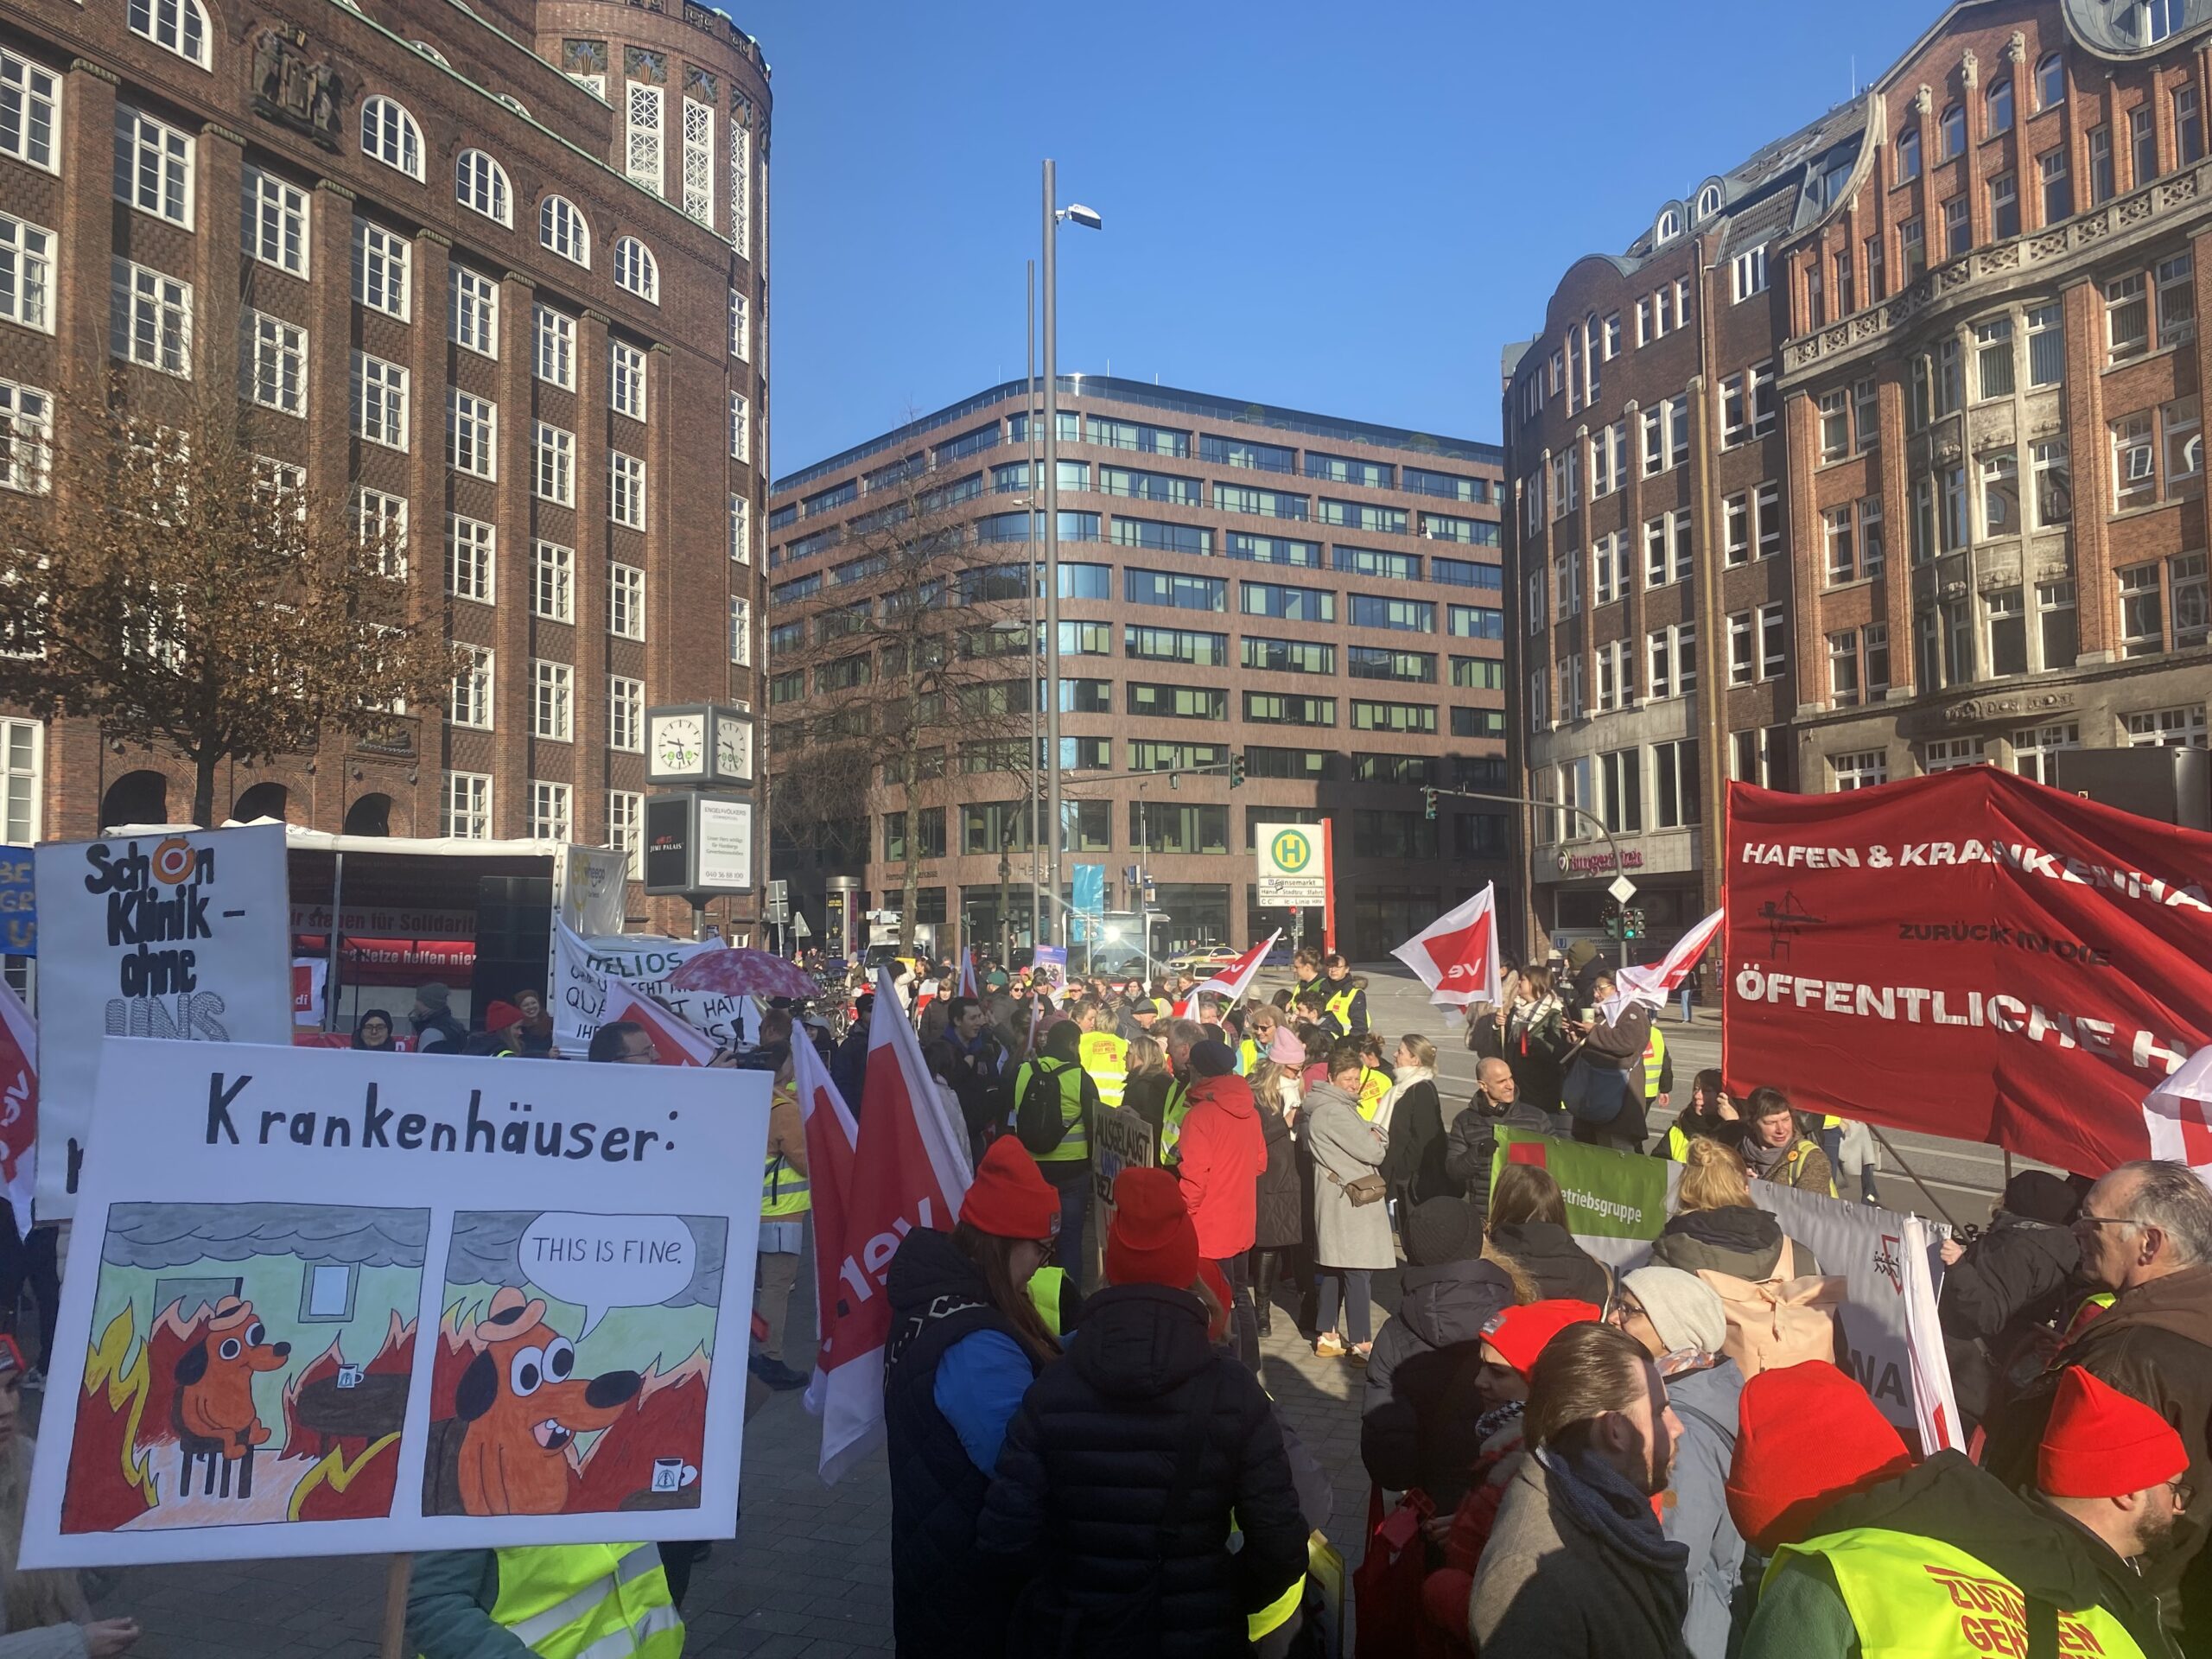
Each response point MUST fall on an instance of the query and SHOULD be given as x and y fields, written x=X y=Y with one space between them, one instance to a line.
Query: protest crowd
x=1569 y=1456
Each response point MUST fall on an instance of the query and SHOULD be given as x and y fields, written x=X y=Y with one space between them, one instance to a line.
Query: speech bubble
x=606 y=1261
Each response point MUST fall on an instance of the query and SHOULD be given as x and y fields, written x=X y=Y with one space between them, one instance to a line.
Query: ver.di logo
x=1292 y=851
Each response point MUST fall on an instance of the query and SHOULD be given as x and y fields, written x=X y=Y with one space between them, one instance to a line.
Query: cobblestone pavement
x=810 y=1572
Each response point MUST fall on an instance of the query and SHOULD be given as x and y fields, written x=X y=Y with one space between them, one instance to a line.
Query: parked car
x=1206 y=959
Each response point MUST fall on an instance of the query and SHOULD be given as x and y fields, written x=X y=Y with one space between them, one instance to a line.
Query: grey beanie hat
x=1683 y=1309
x=433 y=996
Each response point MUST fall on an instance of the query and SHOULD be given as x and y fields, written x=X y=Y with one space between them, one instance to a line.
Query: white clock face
x=679 y=743
x=733 y=747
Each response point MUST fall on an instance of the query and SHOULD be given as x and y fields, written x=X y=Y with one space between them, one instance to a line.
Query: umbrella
x=740 y=971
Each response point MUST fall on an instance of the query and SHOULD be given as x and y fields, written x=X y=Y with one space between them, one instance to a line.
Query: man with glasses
x=623 y=1043
x=2146 y=1232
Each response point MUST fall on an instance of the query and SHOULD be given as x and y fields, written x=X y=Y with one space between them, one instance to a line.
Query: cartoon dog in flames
x=214 y=1414
x=521 y=1408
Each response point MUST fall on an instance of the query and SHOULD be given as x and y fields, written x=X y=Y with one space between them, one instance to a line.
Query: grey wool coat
x=1347 y=1146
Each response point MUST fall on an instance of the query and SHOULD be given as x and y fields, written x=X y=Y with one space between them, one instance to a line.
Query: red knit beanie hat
x=1522 y=1333
x=1806 y=1436
x=1009 y=1197
x=500 y=1015
x=2102 y=1443
x=1151 y=1241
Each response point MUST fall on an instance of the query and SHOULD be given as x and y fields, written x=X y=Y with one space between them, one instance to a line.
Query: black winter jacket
x=1413 y=1163
x=1471 y=1145
x=1279 y=1219
x=2015 y=1276
x=944 y=1598
x=1739 y=1239
x=1083 y=1479
x=1547 y=1252
x=1416 y=1425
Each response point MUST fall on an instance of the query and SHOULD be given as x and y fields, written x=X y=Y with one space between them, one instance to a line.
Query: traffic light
x=1428 y=804
x=1174 y=780
x=1616 y=921
x=1636 y=927
x=1236 y=770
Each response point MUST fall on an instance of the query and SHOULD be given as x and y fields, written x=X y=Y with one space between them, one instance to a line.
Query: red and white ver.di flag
x=1232 y=980
x=2178 y=1115
x=1654 y=984
x=1456 y=955
x=910 y=1169
x=831 y=1135
x=968 y=973
x=676 y=1040
x=18 y=1105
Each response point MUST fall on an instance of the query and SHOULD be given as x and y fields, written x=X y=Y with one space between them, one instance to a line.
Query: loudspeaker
x=2173 y=786
x=514 y=931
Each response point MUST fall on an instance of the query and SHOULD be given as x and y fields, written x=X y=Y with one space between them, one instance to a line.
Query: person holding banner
x=1530 y=1035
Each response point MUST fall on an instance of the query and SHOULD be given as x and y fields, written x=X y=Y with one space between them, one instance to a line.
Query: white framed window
x=553 y=464
x=480 y=184
x=2057 y=631
x=380 y=521
x=1742 y=667
x=740 y=187
x=379 y=401
x=626 y=601
x=30 y=112
x=1567 y=585
x=1538 y=699
x=550 y=818
x=741 y=629
x=2170 y=729
x=274 y=224
x=1871 y=556
x=1570 y=688
x=471 y=702
x=626 y=828
x=553 y=346
x=2052 y=481
x=2134 y=461
x=1843 y=669
x=1862 y=770
x=699 y=161
x=740 y=530
x=1659 y=665
x=636 y=269
x=472 y=434
x=2191 y=599
x=1735 y=410
x=1839 y=528
x=1766 y=518
x=642 y=154
x=1835 y=423
x=1608 y=459
x=1615 y=676
x=741 y=327
x=561 y=227
x=626 y=714
x=26 y=438
x=2036 y=749
x=625 y=379
x=1608 y=568
x=151 y=321
x=1950 y=754
x=2177 y=300
x=2142 y=624
x=471 y=558
x=1747 y=274
x=552 y=700
x=381 y=262
x=153 y=165
x=2127 y=317
x=553 y=581
x=2000 y=492
x=1774 y=642
x=1736 y=528
x=626 y=490
x=466 y=812
x=740 y=427
x=2180 y=423
x=178 y=26
x=275 y=362
x=474 y=312
x=390 y=134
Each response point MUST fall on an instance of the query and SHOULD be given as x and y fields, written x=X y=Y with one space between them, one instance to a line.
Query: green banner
x=1609 y=1195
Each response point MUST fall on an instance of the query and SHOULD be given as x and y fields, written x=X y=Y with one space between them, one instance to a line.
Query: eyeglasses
x=2085 y=1219
x=647 y=1056
x=1624 y=1310
x=2181 y=1491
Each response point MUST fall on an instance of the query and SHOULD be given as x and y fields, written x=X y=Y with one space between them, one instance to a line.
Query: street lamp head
x=1088 y=217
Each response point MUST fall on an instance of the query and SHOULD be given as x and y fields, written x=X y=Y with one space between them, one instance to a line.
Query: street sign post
x=1623 y=889
x=1294 y=867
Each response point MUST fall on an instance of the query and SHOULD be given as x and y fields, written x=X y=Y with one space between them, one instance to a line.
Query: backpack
x=1778 y=1322
x=1039 y=1117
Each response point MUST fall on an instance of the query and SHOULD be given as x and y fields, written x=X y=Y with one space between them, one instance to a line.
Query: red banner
x=1969 y=954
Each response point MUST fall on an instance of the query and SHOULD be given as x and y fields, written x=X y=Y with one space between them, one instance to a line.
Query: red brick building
x=466 y=263
x=1936 y=494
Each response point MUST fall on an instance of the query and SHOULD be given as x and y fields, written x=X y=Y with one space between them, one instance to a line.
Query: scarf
x=1604 y=1504
x=1764 y=1160
x=1406 y=1079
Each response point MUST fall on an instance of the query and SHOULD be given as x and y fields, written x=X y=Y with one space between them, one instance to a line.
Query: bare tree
x=934 y=664
x=175 y=586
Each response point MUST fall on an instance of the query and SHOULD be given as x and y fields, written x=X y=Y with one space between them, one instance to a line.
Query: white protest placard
x=1119 y=1140
x=582 y=967
x=330 y=1302
x=184 y=935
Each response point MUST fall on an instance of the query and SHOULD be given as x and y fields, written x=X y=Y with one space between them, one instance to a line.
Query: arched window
x=2050 y=82
x=562 y=228
x=634 y=268
x=2159 y=18
x=1908 y=149
x=481 y=183
x=1954 y=131
x=1998 y=102
x=390 y=133
x=429 y=52
x=1708 y=201
x=179 y=26
x=136 y=798
x=262 y=801
x=1669 y=226
x=369 y=816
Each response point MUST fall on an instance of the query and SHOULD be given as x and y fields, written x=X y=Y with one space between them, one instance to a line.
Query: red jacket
x=1220 y=1155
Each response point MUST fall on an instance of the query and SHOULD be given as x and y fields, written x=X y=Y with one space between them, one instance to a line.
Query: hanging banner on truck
x=1969 y=954
x=334 y=1303
x=185 y=935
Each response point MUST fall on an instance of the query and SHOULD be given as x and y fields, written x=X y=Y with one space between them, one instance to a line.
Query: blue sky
x=1341 y=209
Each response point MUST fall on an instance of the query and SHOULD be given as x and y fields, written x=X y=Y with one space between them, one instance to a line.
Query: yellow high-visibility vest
x=1654 y=1061
x=609 y=1601
x=1106 y=1057
x=784 y=1190
x=1339 y=1006
x=1171 y=1119
x=1075 y=1142
x=1046 y=1285
x=1373 y=1085
x=1913 y=1597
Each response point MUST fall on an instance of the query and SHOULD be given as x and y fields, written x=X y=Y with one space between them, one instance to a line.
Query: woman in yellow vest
x=786 y=1202
x=557 y=1601
x=1103 y=1054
